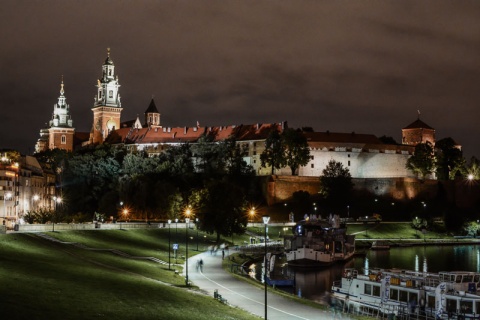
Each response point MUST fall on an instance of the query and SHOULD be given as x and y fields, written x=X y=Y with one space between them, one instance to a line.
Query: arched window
x=64 y=139
x=110 y=94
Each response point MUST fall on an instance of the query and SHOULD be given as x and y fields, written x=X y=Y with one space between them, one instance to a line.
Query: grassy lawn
x=41 y=279
x=400 y=230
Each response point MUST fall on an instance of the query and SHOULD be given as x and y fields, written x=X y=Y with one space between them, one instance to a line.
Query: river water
x=314 y=284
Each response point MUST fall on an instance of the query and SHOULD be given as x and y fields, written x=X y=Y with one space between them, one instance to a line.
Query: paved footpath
x=245 y=296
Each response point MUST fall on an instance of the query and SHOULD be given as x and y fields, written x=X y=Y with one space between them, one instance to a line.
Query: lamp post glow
x=34 y=199
x=187 y=220
x=169 y=222
x=265 y=222
x=252 y=213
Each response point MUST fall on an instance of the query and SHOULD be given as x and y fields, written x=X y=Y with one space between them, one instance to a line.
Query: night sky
x=343 y=66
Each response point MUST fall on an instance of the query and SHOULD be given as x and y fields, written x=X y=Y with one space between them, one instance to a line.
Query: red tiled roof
x=418 y=124
x=190 y=134
x=335 y=137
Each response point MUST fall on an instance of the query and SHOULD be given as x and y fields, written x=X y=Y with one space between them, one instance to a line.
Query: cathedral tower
x=107 y=108
x=59 y=132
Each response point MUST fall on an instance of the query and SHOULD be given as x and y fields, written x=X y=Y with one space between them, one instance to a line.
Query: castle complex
x=365 y=155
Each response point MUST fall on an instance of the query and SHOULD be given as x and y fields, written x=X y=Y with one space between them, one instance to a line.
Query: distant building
x=363 y=154
x=418 y=132
x=107 y=107
x=59 y=134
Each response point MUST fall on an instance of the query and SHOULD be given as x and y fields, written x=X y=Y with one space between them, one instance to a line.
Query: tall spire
x=61 y=110
x=62 y=92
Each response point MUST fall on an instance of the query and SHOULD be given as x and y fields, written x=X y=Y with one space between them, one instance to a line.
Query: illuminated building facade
x=59 y=133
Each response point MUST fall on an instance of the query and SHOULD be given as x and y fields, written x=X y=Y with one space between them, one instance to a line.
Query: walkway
x=245 y=296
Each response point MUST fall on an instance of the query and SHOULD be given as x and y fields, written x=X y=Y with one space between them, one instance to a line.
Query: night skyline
x=365 y=67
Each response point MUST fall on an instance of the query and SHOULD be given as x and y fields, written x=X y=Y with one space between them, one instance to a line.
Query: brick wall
x=278 y=188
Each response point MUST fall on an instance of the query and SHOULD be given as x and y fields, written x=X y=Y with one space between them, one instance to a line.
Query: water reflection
x=313 y=284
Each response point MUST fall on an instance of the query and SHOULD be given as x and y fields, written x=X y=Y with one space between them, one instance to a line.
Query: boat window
x=431 y=301
x=467 y=278
x=412 y=296
x=458 y=279
x=394 y=294
x=476 y=278
x=376 y=291
x=403 y=296
x=451 y=305
x=477 y=306
x=466 y=306
x=368 y=288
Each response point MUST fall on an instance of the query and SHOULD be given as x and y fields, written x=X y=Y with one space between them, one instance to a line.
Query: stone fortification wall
x=361 y=164
x=279 y=189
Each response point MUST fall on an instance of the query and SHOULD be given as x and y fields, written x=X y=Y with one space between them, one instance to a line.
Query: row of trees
x=446 y=160
x=212 y=178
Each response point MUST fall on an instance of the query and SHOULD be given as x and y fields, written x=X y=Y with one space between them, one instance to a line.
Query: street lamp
x=55 y=201
x=187 y=220
x=252 y=213
x=169 y=222
x=196 y=226
x=5 y=196
x=34 y=199
x=265 y=222
x=176 y=231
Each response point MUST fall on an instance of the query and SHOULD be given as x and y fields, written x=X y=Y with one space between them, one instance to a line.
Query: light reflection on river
x=314 y=284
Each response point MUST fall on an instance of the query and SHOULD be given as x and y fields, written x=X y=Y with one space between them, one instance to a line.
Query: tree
x=450 y=161
x=336 y=184
x=471 y=228
x=220 y=206
x=233 y=155
x=473 y=168
x=273 y=155
x=289 y=148
x=297 y=152
x=422 y=162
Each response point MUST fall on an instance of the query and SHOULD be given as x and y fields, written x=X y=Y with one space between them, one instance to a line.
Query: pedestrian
x=223 y=254
x=201 y=265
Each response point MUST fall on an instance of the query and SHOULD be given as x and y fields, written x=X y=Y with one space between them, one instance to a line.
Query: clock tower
x=107 y=107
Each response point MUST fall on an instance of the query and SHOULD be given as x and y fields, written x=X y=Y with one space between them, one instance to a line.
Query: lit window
x=64 y=139
x=110 y=94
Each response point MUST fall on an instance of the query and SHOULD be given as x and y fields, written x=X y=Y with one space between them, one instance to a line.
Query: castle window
x=254 y=153
x=99 y=94
x=349 y=155
x=64 y=139
x=110 y=94
x=312 y=165
x=349 y=163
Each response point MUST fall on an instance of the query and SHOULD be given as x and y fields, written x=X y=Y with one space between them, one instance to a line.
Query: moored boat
x=319 y=243
x=380 y=245
x=443 y=295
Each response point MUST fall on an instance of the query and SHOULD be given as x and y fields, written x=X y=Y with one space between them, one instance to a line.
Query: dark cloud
x=363 y=66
